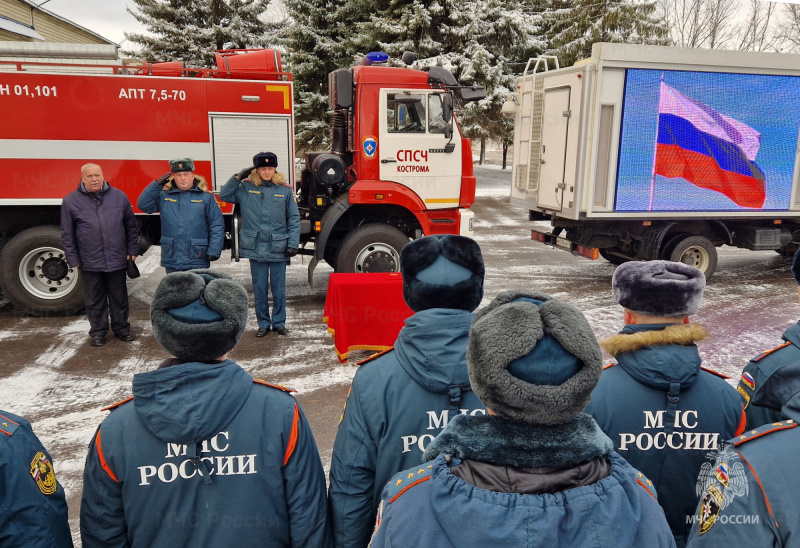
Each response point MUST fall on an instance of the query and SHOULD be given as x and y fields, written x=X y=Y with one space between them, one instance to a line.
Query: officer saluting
x=33 y=509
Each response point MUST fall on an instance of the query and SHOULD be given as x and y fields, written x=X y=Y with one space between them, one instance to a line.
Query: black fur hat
x=659 y=288
x=265 y=159
x=198 y=315
x=443 y=271
x=532 y=358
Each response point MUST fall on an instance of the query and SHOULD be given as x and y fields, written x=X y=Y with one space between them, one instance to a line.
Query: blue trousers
x=271 y=274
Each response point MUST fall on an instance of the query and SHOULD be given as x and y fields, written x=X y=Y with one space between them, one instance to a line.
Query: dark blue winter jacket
x=664 y=413
x=191 y=224
x=98 y=229
x=270 y=218
x=758 y=370
x=498 y=483
x=204 y=456
x=33 y=510
x=750 y=492
x=397 y=404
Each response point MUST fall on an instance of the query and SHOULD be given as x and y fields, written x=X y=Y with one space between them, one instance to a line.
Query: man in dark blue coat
x=664 y=413
x=192 y=228
x=760 y=368
x=750 y=492
x=270 y=234
x=203 y=454
x=401 y=399
x=33 y=509
x=535 y=471
x=99 y=233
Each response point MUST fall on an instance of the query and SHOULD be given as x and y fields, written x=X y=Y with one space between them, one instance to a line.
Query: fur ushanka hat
x=443 y=271
x=198 y=315
x=659 y=288
x=532 y=358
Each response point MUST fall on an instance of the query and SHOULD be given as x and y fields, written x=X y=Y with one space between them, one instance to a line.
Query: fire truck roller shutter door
x=371 y=248
x=35 y=276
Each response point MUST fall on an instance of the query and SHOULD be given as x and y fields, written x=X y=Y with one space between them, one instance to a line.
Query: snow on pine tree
x=574 y=26
x=193 y=30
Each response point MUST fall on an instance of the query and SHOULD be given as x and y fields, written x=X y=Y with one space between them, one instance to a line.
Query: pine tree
x=575 y=26
x=193 y=30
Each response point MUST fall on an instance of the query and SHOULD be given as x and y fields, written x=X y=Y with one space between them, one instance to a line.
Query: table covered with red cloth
x=365 y=311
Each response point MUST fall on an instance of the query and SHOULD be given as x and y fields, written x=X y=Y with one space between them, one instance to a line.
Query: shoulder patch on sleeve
x=646 y=484
x=274 y=385
x=8 y=426
x=374 y=356
x=114 y=406
x=717 y=373
x=750 y=435
x=404 y=481
x=768 y=352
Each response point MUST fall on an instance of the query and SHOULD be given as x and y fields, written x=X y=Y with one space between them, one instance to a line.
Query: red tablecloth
x=365 y=311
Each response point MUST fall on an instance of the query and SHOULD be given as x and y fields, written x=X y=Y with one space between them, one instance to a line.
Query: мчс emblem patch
x=43 y=474
x=709 y=509
x=749 y=381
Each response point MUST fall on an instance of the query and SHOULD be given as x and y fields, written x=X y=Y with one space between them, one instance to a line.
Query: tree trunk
x=505 y=153
x=482 y=159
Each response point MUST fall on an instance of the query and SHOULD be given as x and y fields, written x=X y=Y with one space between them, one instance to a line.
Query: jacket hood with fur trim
x=278 y=178
x=657 y=355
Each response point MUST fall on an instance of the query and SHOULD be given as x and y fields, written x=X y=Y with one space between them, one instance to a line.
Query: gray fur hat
x=532 y=358
x=659 y=288
x=198 y=315
x=442 y=271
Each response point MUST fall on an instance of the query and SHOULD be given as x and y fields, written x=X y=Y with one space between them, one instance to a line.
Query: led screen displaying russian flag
x=701 y=141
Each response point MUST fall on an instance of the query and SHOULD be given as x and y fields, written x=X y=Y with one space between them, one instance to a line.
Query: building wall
x=50 y=27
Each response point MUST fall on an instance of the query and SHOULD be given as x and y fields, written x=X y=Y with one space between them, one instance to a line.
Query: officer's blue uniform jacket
x=758 y=370
x=664 y=413
x=536 y=487
x=750 y=496
x=397 y=404
x=204 y=456
x=270 y=218
x=191 y=224
x=33 y=509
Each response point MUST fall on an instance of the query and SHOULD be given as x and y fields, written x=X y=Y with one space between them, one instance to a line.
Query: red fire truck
x=398 y=168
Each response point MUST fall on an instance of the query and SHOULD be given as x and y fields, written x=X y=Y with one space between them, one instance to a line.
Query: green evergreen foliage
x=575 y=26
x=193 y=30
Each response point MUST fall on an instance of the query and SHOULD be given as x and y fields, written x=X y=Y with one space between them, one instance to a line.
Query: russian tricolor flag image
x=708 y=149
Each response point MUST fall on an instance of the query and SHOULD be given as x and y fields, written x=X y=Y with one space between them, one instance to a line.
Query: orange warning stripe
x=114 y=406
x=407 y=487
x=645 y=487
x=768 y=352
x=271 y=385
x=292 y=436
x=717 y=373
x=769 y=507
x=103 y=462
x=9 y=420
x=742 y=423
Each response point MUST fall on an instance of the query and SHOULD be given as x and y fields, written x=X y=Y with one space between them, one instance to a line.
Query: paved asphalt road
x=51 y=375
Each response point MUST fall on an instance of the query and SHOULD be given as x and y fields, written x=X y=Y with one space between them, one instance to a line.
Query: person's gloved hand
x=211 y=258
x=163 y=179
x=291 y=251
x=245 y=173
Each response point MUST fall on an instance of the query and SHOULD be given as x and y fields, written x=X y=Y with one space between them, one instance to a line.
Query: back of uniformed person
x=269 y=236
x=402 y=399
x=33 y=508
x=764 y=365
x=203 y=455
x=192 y=228
x=664 y=412
x=535 y=471
x=750 y=492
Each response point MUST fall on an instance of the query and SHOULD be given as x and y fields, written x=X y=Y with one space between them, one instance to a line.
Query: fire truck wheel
x=696 y=251
x=371 y=248
x=35 y=276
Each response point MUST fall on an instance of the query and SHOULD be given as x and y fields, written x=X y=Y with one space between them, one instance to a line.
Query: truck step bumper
x=558 y=242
